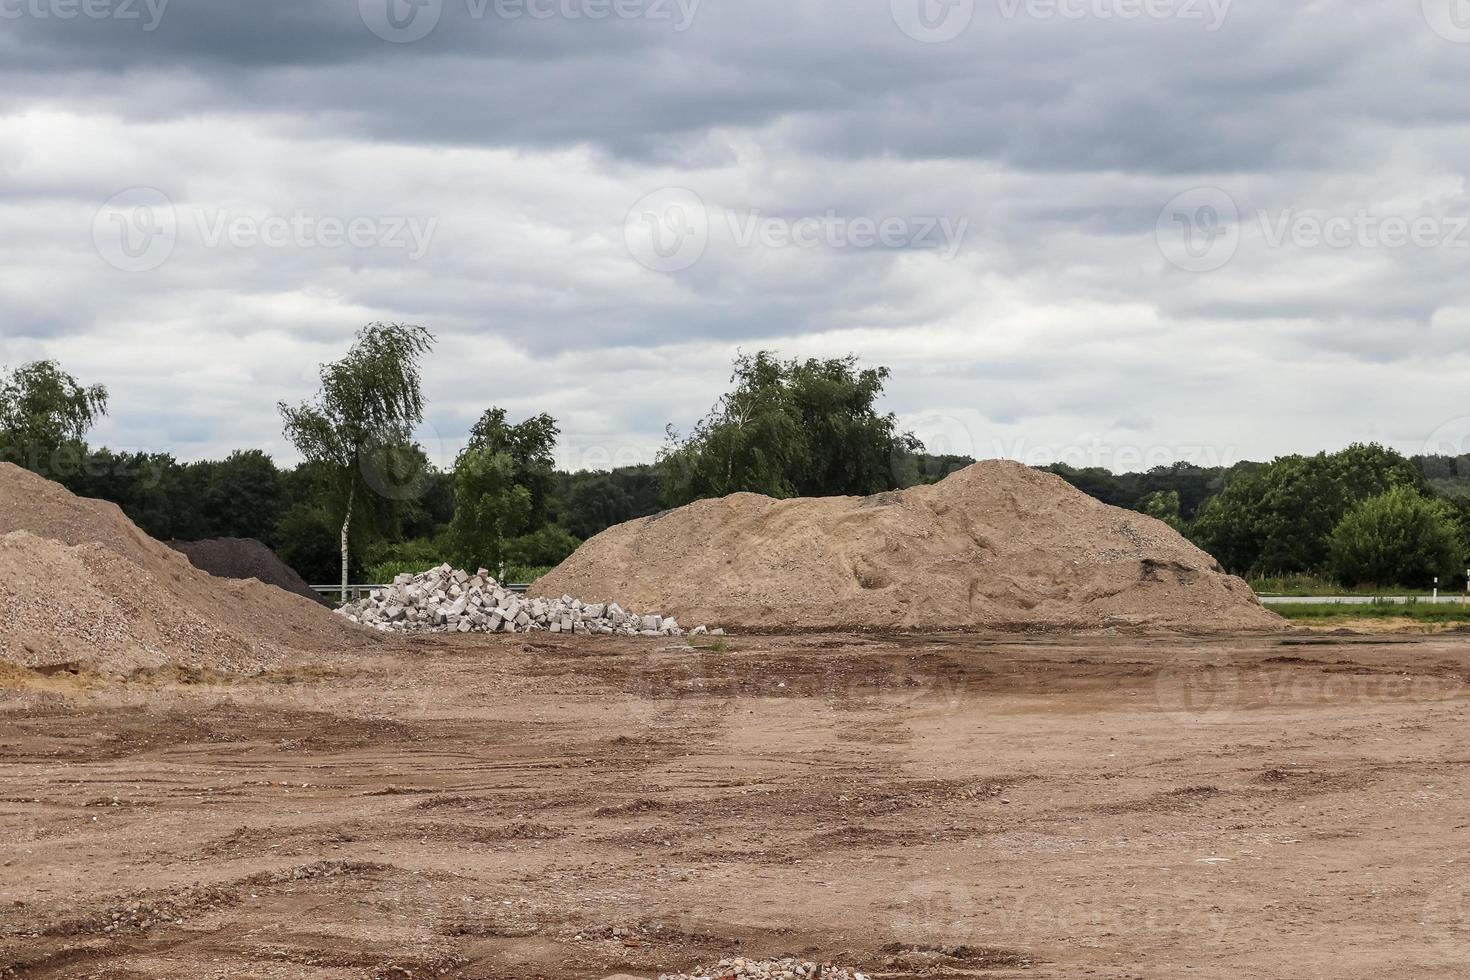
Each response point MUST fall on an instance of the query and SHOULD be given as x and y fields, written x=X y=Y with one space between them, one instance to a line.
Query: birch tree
x=369 y=399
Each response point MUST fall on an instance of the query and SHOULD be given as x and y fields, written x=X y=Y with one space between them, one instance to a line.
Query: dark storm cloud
x=1278 y=85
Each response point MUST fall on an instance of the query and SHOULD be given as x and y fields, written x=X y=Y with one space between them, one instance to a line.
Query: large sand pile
x=80 y=584
x=995 y=546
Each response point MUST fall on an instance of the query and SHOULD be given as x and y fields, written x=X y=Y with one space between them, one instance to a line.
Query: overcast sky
x=1117 y=232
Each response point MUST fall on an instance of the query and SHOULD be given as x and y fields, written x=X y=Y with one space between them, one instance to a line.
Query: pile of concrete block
x=449 y=600
x=785 y=969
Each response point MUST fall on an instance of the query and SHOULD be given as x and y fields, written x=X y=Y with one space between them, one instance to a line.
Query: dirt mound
x=80 y=584
x=995 y=546
x=33 y=503
x=245 y=558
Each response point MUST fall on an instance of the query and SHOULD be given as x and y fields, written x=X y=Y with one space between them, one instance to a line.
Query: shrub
x=544 y=548
x=1397 y=538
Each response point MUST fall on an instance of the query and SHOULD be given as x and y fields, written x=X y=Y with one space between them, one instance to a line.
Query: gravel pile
x=787 y=969
x=449 y=600
x=81 y=586
x=245 y=558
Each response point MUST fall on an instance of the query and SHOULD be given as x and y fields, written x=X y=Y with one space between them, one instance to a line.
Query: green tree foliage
x=1164 y=505
x=504 y=482
x=790 y=428
x=920 y=468
x=1193 y=484
x=1448 y=476
x=490 y=508
x=1276 y=519
x=308 y=539
x=44 y=412
x=151 y=488
x=361 y=419
x=588 y=503
x=530 y=446
x=1398 y=538
x=545 y=547
x=237 y=496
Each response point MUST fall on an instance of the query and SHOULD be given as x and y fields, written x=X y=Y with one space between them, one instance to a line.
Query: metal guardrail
x=357 y=591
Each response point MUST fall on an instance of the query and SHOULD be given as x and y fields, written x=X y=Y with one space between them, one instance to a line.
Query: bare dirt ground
x=945 y=806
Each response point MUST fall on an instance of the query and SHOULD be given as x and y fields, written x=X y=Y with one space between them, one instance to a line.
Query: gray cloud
x=518 y=147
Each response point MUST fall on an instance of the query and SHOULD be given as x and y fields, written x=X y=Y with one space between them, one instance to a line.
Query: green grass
x=1419 y=612
x=1311 y=585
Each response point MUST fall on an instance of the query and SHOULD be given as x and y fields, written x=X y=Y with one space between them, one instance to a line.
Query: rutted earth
x=938 y=806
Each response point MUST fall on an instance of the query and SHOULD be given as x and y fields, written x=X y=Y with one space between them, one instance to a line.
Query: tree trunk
x=346 y=525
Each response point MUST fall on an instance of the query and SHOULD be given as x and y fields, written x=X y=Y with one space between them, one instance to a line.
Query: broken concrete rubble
x=445 y=600
x=784 y=969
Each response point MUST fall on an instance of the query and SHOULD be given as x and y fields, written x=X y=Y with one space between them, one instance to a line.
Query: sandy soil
x=1286 y=806
x=996 y=546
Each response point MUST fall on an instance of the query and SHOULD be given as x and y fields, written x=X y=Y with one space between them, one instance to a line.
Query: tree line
x=367 y=502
